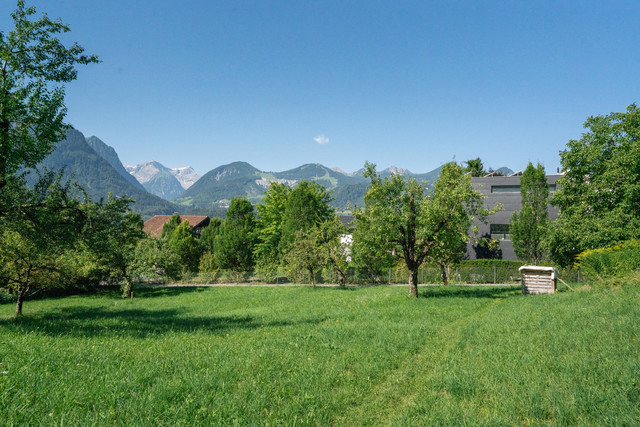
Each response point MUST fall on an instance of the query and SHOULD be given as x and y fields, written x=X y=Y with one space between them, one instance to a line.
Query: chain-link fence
x=503 y=272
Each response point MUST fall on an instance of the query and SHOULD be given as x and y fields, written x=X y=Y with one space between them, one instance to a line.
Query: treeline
x=294 y=228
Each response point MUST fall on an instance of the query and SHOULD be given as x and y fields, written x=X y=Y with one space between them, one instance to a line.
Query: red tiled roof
x=153 y=226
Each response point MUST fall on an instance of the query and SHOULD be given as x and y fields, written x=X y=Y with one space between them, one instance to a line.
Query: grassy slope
x=295 y=355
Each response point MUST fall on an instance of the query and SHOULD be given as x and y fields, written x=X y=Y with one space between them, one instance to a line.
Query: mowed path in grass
x=329 y=356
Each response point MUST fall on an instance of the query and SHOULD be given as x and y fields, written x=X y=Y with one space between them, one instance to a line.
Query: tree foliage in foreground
x=34 y=63
x=403 y=220
x=599 y=194
x=529 y=227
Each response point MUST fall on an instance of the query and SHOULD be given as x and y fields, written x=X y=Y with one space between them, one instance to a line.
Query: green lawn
x=295 y=355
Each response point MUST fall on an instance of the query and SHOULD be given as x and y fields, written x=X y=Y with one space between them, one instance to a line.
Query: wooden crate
x=538 y=280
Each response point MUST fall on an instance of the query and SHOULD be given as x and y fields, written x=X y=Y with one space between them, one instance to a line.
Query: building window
x=505 y=188
x=500 y=232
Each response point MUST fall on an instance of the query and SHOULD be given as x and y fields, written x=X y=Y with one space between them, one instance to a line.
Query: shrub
x=208 y=263
x=615 y=261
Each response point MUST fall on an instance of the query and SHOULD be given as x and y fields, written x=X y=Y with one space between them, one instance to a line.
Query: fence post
x=578 y=275
x=494 y=275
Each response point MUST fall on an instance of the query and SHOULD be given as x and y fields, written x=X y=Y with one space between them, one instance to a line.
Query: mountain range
x=162 y=181
x=97 y=168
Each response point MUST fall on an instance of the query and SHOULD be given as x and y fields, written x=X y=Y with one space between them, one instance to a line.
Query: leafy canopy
x=33 y=63
x=599 y=194
x=403 y=220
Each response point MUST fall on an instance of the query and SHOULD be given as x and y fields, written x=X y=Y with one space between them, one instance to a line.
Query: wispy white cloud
x=321 y=139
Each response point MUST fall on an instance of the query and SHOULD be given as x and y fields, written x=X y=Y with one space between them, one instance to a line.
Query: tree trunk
x=413 y=282
x=339 y=273
x=21 y=294
x=128 y=289
x=340 y=277
x=313 y=277
x=445 y=276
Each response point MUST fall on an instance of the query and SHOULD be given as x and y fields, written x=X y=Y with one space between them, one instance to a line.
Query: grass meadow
x=329 y=356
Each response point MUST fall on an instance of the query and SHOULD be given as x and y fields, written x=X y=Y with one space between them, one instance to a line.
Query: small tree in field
x=110 y=235
x=408 y=222
x=36 y=239
x=330 y=234
x=450 y=250
x=305 y=254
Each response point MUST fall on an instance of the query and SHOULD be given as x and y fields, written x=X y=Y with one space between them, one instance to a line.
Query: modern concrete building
x=504 y=190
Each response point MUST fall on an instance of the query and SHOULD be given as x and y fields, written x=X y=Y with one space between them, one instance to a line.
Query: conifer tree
x=529 y=227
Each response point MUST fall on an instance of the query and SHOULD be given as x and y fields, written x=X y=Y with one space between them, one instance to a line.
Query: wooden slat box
x=538 y=280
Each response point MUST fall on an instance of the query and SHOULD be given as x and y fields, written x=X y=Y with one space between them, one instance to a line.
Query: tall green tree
x=530 y=226
x=269 y=223
x=306 y=207
x=235 y=243
x=599 y=194
x=409 y=222
x=184 y=243
x=34 y=64
x=284 y=214
x=209 y=234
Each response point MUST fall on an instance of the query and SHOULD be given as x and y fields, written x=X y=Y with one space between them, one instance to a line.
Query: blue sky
x=407 y=83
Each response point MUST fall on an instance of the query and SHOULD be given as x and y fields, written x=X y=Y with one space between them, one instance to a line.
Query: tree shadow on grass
x=162 y=291
x=135 y=323
x=343 y=288
x=468 y=292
